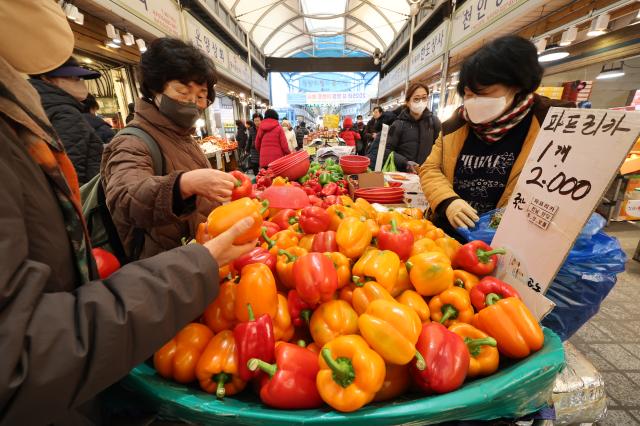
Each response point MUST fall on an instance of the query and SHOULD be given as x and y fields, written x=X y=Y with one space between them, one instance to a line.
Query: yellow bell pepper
x=424 y=245
x=306 y=242
x=353 y=237
x=343 y=267
x=332 y=319
x=430 y=272
x=282 y=326
x=402 y=283
x=280 y=181
x=384 y=218
x=347 y=201
x=416 y=302
x=366 y=208
x=484 y=358
x=365 y=293
x=464 y=279
x=378 y=265
x=448 y=245
x=451 y=305
x=418 y=228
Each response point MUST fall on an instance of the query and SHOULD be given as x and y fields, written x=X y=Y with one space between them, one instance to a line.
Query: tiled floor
x=611 y=339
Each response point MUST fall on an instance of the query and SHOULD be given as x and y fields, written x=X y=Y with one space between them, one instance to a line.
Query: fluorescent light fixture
x=142 y=46
x=117 y=39
x=80 y=18
x=541 y=45
x=613 y=72
x=553 y=53
x=111 y=31
x=129 y=39
x=569 y=36
x=325 y=8
x=71 y=11
x=112 y=44
x=599 y=25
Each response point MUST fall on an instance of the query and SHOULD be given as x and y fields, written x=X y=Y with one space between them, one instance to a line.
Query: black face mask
x=183 y=114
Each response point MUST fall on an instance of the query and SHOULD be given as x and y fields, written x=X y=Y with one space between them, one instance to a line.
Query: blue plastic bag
x=584 y=280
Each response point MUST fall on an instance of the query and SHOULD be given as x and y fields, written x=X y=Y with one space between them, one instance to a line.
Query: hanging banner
x=162 y=14
x=428 y=50
x=335 y=98
x=393 y=79
x=205 y=41
x=239 y=68
x=574 y=159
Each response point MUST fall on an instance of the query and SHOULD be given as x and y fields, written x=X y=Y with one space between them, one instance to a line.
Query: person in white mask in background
x=413 y=133
x=477 y=159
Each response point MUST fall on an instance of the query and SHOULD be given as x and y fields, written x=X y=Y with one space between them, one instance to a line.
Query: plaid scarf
x=494 y=130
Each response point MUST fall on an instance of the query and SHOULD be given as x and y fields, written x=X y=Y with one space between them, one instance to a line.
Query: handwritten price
x=534 y=285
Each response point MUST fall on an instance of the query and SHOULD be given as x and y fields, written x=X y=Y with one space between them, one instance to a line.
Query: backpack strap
x=150 y=142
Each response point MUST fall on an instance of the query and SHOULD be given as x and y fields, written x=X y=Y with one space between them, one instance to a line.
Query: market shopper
x=132 y=109
x=271 y=142
x=254 y=154
x=301 y=132
x=387 y=117
x=241 y=136
x=66 y=335
x=291 y=136
x=348 y=133
x=476 y=161
x=370 y=128
x=412 y=135
x=100 y=126
x=359 y=127
x=62 y=91
x=177 y=85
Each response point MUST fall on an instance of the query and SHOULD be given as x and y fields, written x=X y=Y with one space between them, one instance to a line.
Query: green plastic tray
x=516 y=390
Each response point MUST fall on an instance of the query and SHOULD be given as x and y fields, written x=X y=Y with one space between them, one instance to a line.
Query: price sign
x=382 y=147
x=574 y=159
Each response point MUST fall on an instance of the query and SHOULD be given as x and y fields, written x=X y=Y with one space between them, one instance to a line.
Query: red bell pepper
x=285 y=218
x=243 y=187
x=330 y=200
x=291 y=382
x=329 y=189
x=343 y=187
x=489 y=290
x=314 y=184
x=299 y=310
x=324 y=241
x=315 y=278
x=264 y=179
x=446 y=357
x=257 y=255
x=398 y=240
x=315 y=201
x=270 y=229
x=309 y=190
x=254 y=339
x=314 y=219
x=477 y=257
x=106 y=262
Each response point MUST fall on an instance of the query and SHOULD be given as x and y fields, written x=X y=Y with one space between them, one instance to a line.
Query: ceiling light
x=636 y=20
x=80 y=18
x=541 y=45
x=142 y=46
x=613 y=72
x=569 y=36
x=87 y=61
x=111 y=31
x=553 y=53
x=112 y=44
x=129 y=39
x=117 y=39
x=71 y=11
x=599 y=25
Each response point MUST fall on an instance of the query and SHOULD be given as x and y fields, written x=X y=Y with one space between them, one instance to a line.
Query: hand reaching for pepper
x=222 y=248
x=209 y=183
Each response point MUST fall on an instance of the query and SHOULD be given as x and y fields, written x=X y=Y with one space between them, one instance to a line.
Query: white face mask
x=483 y=109
x=418 y=107
x=76 y=88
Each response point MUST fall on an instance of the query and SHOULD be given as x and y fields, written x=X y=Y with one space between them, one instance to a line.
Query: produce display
x=342 y=306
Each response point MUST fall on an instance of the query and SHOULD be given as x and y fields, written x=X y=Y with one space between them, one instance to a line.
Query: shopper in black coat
x=101 y=127
x=254 y=154
x=387 y=117
x=412 y=135
x=241 y=136
x=301 y=132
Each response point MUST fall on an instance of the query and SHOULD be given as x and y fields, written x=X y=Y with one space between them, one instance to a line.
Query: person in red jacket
x=271 y=142
x=349 y=135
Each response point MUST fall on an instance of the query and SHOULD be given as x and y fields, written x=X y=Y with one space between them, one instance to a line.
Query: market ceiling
x=321 y=28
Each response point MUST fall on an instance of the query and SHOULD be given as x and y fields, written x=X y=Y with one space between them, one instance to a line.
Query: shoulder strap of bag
x=154 y=149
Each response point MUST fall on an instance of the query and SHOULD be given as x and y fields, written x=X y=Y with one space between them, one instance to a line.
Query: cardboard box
x=367 y=180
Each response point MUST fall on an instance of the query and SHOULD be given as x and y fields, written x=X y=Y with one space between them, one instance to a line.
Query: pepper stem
x=340 y=214
x=409 y=265
x=301 y=343
x=221 y=379
x=421 y=364
x=254 y=363
x=265 y=206
x=252 y=316
x=448 y=312
x=394 y=226
x=491 y=299
x=292 y=220
x=474 y=345
x=343 y=373
x=357 y=281
x=459 y=283
x=484 y=256
x=238 y=183
x=305 y=314
x=266 y=238
x=290 y=257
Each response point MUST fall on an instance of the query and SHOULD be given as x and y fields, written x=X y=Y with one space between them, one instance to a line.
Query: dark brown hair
x=412 y=88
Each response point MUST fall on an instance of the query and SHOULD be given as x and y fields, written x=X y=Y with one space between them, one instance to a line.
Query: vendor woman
x=475 y=163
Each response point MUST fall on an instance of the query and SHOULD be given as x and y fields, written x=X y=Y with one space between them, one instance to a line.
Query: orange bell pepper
x=402 y=283
x=384 y=218
x=202 y=233
x=378 y=265
x=282 y=325
x=217 y=369
x=280 y=240
x=343 y=267
x=373 y=227
x=220 y=314
x=424 y=245
x=306 y=241
x=350 y=373
x=284 y=266
x=337 y=213
x=430 y=272
x=332 y=319
x=448 y=245
x=418 y=228
x=484 y=358
x=514 y=327
x=225 y=216
x=367 y=292
x=257 y=288
x=225 y=272
x=397 y=380
x=353 y=237
x=178 y=358
x=416 y=302
x=435 y=233
x=280 y=181
x=464 y=279
x=313 y=347
x=452 y=304
x=346 y=293
x=366 y=208
x=415 y=213
x=392 y=329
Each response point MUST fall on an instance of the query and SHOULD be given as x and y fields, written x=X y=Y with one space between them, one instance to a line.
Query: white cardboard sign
x=574 y=159
x=382 y=147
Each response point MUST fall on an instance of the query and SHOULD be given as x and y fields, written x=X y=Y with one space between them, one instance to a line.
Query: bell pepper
x=367 y=209
x=257 y=288
x=430 y=273
x=295 y=228
x=452 y=304
x=402 y=283
x=477 y=257
x=299 y=310
x=484 y=358
x=254 y=339
x=448 y=245
x=225 y=216
x=304 y=178
x=285 y=218
x=397 y=380
x=353 y=237
x=314 y=166
x=225 y=273
x=313 y=347
x=398 y=240
x=378 y=265
x=280 y=181
x=392 y=330
x=314 y=184
x=514 y=327
x=315 y=278
x=384 y=218
x=257 y=255
x=446 y=358
x=490 y=288
x=347 y=201
x=373 y=227
x=217 y=368
x=285 y=263
x=415 y=213
x=435 y=233
x=416 y=302
x=220 y=314
x=242 y=187
x=324 y=241
x=268 y=228
x=314 y=219
x=350 y=373
x=333 y=319
x=281 y=240
x=365 y=293
x=342 y=264
x=177 y=359
x=417 y=228
x=330 y=188
x=315 y=201
x=330 y=200
x=282 y=326
x=424 y=245
x=291 y=382
x=337 y=213
x=464 y=279
x=325 y=178
x=346 y=293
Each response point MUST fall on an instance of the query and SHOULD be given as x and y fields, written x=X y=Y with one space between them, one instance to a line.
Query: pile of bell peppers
x=342 y=306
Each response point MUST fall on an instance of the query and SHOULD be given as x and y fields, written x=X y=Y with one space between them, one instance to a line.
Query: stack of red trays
x=292 y=166
x=381 y=195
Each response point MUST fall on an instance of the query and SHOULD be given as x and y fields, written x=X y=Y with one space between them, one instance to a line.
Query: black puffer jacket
x=254 y=155
x=410 y=139
x=83 y=145
x=102 y=128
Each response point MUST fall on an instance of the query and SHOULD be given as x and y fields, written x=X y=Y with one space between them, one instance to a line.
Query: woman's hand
x=413 y=167
x=209 y=183
x=222 y=248
x=461 y=214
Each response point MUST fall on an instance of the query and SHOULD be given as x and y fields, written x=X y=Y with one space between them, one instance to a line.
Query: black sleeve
x=180 y=206
x=394 y=139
